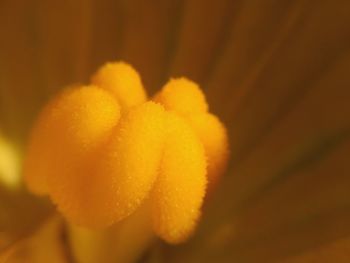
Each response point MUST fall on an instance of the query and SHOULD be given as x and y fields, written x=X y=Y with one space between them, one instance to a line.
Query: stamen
x=182 y=96
x=129 y=163
x=64 y=141
x=123 y=81
x=100 y=151
x=213 y=135
x=180 y=187
x=185 y=98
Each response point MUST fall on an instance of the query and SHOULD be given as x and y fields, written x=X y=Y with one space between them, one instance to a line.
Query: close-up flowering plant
x=174 y=131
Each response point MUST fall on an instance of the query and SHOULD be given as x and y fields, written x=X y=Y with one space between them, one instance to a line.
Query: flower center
x=100 y=151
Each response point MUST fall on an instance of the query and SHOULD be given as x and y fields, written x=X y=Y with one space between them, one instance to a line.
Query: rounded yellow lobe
x=129 y=163
x=63 y=145
x=100 y=151
x=213 y=136
x=180 y=187
x=123 y=81
x=182 y=96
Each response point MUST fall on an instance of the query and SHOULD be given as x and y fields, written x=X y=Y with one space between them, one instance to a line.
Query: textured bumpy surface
x=180 y=187
x=100 y=151
x=67 y=131
x=130 y=162
x=213 y=135
x=183 y=96
x=123 y=81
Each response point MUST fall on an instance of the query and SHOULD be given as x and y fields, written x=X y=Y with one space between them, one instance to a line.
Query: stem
x=123 y=242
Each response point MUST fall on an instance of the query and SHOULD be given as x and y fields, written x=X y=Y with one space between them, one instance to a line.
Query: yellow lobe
x=182 y=96
x=213 y=136
x=185 y=98
x=129 y=163
x=123 y=81
x=64 y=143
x=180 y=187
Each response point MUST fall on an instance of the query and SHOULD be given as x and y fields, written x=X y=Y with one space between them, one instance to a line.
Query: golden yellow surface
x=64 y=142
x=213 y=135
x=123 y=81
x=180 y=187
x=183 y=96
x=128 y=164
x=98 y=164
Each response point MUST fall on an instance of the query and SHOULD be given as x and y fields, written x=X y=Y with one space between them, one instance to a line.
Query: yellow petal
x=63 y=144
x=123 y=81
x=182 y=96
x=9 y=164
x=180 y=187
x=130 y=161
x=212 y=133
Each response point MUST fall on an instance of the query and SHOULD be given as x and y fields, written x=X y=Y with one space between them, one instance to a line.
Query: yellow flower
x=275 y=73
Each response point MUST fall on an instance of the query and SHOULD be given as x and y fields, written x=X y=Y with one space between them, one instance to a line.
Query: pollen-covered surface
x=182 y=96
x=123 y=81
x=130 y=162
x=213 y=136
x=180 y=186
x=63 y=144
x=98 y=151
